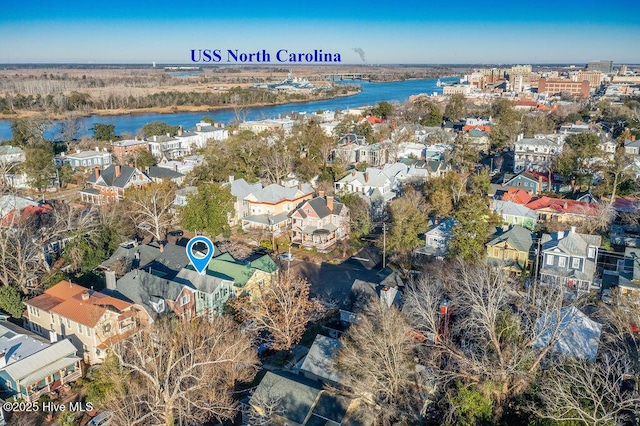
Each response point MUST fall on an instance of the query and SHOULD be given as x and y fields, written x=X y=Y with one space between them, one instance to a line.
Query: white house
x=95 y=158
x=535 y=153
x=11 y=154
x=437 y=239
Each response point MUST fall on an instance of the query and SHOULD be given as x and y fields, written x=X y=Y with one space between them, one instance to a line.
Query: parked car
x=285 y=256
x=102 y=419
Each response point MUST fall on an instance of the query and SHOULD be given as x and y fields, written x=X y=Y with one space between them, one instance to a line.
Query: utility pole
x=384 y=245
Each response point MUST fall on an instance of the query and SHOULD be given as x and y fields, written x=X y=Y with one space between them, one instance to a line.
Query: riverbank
x=164 y=110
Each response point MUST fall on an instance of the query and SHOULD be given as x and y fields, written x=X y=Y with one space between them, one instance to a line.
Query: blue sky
x=142 y=31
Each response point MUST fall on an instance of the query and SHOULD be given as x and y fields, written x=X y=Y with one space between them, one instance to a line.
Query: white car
x=101 y=419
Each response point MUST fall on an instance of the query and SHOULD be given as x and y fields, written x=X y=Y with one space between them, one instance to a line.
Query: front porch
x=52 y=381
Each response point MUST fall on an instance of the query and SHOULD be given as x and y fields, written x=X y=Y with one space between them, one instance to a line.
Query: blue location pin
x=200 y=263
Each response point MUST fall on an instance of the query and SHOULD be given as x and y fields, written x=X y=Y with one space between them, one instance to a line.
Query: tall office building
x=605 y=67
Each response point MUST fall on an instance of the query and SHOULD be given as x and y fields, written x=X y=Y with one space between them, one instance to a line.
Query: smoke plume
x=360 y=52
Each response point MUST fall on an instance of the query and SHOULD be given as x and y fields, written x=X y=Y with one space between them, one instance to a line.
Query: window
x=185 y=299
x=68 y=323
x=549 y=259
x=495 y=252
x=575 y=263
x=88 y=332
x=80 y=328
x=562 y=261
x=592 y=252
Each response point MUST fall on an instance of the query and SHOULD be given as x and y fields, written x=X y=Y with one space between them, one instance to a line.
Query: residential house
x=167 y=146
x=569 y=259
x=108 y=185
x=320 y=223
x=184 y=166
x=10 y=205
x=319 y=364
x=535 y=153
x=31 y=366
x=511 y=249
x=161 y=174
x=248 y=276
x=93 y=321
x=182 y=195
x=478 y=139
x=157 y=295
x=11 y=154
x=632 y=147
x=515 y=214
x=562 y=210
x=572 y=335
x=302 y=402
x=373 y=185
x=82 y=159
x=210 y=292
x=127 y=148
x=164 y=260
x=526 y=181
x=436 y=239
x=625 y=279
x=353 y=149
x=240 y=189
x=199 y=137
x=269 y=208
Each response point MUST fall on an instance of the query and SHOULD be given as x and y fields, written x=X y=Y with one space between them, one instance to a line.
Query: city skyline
x=411 y=33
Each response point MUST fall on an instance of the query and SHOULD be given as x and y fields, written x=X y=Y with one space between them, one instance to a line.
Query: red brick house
x=108 y=185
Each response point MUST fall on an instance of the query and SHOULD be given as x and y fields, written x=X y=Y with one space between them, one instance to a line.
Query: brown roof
x=66 y=299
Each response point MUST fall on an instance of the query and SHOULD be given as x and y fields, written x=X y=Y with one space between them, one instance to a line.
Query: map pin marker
x=197 y=260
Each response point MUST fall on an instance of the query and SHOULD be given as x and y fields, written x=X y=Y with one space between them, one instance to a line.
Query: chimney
x=330 y=203
x=353 y=174
x=573 y=229
x=366 y=176
x=168 y=135
x=633 y=138
x=118 y=171
x=231 y=178
x=198 y=127
x=96 y=171
x=110 y=278
x=321 y=194
x=53 y=336
x=85 y=295
x=161 y=247
x=180 y=131
x=155 y=138
x=98 y=148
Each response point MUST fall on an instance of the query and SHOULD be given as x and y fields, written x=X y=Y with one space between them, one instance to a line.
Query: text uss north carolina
x=281 y=55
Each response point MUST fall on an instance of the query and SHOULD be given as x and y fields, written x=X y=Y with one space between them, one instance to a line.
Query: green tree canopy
x=359 y=212
x=382 y=109
x=104 y=132
x=409 y=218
x=208 y=210
x=456 y=108
x=11 y=301
x=39 y=165
x=475 y=224
x=157 y=128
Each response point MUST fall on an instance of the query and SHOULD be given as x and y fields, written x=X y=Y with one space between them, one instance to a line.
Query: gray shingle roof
x=240 y=188
x=155 y=172
x=517 y=237
x=204 y=283
x=320 y=360
x=513 y=209
x=296 y=396
x=140 y=287
x=110 y=178
x=276 y=193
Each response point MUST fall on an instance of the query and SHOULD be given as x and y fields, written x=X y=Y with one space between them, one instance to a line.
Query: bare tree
x=276 y=160
x=377 y=363
x=182 y=372
x=153 y=204
x=282 y=308
x=587 y=392
x=490 y=337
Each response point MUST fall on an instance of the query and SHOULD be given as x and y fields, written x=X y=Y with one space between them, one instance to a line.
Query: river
x=370 y=94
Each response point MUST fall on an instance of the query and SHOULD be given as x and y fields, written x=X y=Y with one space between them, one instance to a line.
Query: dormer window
x=592 y=252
